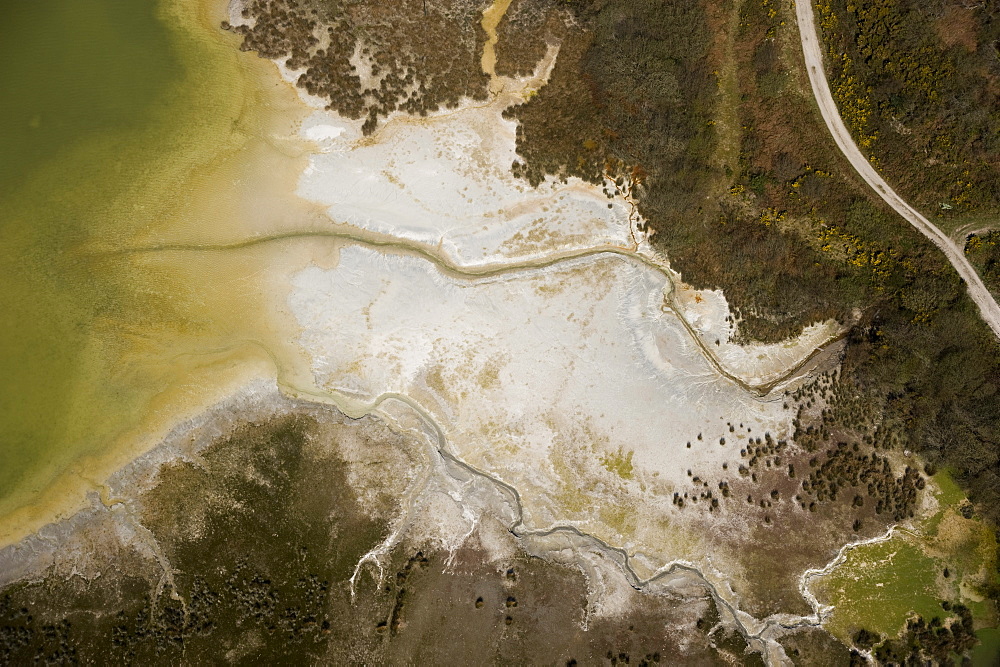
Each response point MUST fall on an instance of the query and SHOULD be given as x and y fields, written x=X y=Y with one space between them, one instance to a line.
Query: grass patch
x=948 y=564
x=879 y=586
x=987 y=654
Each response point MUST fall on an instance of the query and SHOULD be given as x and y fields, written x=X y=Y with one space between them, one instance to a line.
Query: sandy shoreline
x=237 y=187
x=53 y=541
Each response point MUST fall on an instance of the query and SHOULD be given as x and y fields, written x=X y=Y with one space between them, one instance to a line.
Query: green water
x=107 y=104
x=72 y=70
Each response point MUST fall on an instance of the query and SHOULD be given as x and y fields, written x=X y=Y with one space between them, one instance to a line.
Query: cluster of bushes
x=937 y=641
x=634 y=97
x=917 y=83
x=368 y=59
x=848 y=470
x=631 y=98
x=524 y=33
x=983 y=250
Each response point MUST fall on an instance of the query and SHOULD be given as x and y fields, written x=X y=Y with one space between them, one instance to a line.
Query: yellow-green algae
x=879 y=586
x=619 y=462
x=117 y=116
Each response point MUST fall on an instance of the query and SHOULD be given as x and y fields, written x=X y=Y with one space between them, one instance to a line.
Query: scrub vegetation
x=935 y=637
x=525 y=32
x=249 y=542
x=790 y=234
x=918 y=84
x=934 y=641
x=983 y=250
x=260 y=564
x=369 y=59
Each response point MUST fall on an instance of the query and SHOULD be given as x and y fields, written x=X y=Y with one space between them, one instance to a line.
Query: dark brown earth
x=244 y=555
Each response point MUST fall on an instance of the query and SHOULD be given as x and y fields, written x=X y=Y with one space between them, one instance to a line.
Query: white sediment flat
x=579 y=382
x=446 y=182
x=539 y=377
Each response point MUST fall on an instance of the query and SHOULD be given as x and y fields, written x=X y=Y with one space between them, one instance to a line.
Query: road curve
x=962 y=234
x=813 y=53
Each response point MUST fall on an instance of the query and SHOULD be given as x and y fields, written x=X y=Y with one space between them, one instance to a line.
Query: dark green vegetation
x=525 y=31
x=414 y=56
x=937 y=641
x=634 y=98
x=629 y=98
x=983 y=250
x=918 y=83
x=789 y=234
x=785 y=229
x=260 y=538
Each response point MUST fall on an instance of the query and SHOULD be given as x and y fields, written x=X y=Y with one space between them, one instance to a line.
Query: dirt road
x=813 y=52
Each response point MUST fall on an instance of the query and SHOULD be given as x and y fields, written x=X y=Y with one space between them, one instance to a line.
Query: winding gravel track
x=988 y=307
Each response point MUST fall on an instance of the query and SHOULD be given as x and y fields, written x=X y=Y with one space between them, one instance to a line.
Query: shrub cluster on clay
x=370 y=59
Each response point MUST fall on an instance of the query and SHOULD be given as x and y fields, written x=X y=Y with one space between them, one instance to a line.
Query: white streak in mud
x=319 y=133
x=373 y=556
x=167 y=577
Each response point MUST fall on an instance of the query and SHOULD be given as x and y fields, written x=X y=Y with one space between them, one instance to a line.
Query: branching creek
x=756 y=636
x=759 y=634
x=762 y=637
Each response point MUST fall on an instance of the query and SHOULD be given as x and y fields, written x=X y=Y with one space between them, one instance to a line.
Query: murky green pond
x=74 y=69
x=109 y=107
